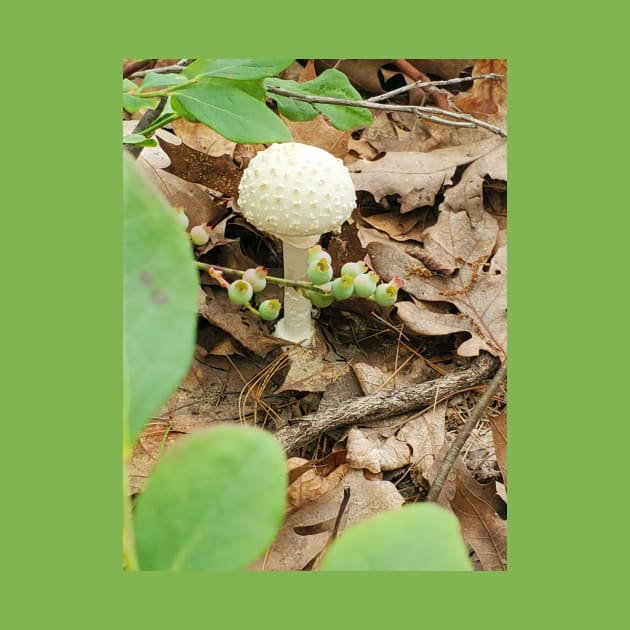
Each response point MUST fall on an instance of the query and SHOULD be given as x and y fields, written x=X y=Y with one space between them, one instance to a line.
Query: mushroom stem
x=297 y=323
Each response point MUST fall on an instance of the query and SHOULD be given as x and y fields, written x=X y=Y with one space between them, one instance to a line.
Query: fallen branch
x=385 y=404
x=458 y=443
x=432 y=114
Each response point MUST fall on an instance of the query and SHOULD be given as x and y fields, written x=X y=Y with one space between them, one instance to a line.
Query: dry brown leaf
x=416 y=178
x=499 y=436
x=374 y=453
x=467 y=194
x=313 y=483
x=479 y=292
x=245 y=327
x=442 y=68
x=292 y=552
x=487 y=100
x=204 y=139
x=309 y=370
x=319 y=133
x=482 y=528
x=152 y=443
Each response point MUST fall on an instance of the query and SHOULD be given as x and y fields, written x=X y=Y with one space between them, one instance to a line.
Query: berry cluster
x=355 y=280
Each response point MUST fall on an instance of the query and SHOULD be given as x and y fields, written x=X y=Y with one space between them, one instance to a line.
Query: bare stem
x=423 y=84
x=464 y=434
x=432 y=114
x=298 y=284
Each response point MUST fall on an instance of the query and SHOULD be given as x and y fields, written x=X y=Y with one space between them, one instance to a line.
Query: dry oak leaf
x=482 y=528
x=416 y=177
x=246 y=328
x=499 y=436
x=292 y=551
x=479 y=293
x=310 y=371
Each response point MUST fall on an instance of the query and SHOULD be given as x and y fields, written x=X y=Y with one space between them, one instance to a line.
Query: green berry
x=257 y=278
x=365 y=284
x=269 y=310
x=343 y=288
x=385 y=294
x=200 y=234
x=319 y=271
x=353 y=269
x=240 y=292
x=316 y=252
x=181 y=217
x=321 y=300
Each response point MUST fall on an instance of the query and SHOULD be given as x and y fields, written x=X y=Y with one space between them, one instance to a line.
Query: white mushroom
x=296 y=192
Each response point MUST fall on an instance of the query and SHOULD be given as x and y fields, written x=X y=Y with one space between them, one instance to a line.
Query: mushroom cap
x=296 y=190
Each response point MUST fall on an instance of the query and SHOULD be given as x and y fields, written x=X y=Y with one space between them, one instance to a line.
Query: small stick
x=464 y=434
x=423 y=84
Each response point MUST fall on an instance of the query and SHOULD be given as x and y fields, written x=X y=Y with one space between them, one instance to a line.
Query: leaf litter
x=432 y=209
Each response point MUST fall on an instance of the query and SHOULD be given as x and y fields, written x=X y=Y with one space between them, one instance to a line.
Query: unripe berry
x=365 y=284
x=319 y=271
x=181 y=217
x=387 y=294
x=343 y=288
x=316 y=252
x=200 y=234
x=240 y=292
x=353 y=269
x=269 y=310
x=257 y=278
x=321 y=300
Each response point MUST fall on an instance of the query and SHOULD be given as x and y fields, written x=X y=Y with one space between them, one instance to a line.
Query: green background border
x=62 y=492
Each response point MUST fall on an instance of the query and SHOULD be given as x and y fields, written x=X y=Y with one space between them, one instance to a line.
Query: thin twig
x=426 y=113
x=464 y=434
x=423 y=84
x=178 y=67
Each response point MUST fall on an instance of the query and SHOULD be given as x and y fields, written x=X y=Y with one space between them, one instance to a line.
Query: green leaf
x=418 y=537
x=236 y=68
x=290 y=107
x=235 y=114
x=214 y=502
x=128 y=84
x=139 y=140
x=133 y=103
x=160 y=289
x=157 y=79
x=335 y=84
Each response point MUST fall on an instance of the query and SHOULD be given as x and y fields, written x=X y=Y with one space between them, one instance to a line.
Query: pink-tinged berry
x=257 y=278
x=269 y=310
x=319 y=271
x=181 y=217
x=343 y=288
x=321 y=300
x=316 y=252
x=365 y=284
x=240 y=292
x=200 y=234
x=387 y=294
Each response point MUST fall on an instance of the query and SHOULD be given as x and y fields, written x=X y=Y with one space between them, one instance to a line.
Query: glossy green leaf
x=159 y=79
x=214 y=502
x=160 y=288
x=236 y=68
x=290 y=107
x=139 y=140
x=334 y=84
x=418 y=537
x=234 y=113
